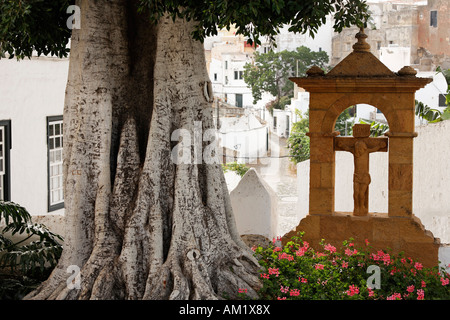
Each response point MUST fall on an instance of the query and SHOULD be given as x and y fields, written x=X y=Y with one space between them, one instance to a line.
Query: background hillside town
x=257 y=130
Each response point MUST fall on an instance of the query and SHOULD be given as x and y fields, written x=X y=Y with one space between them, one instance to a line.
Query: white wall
x=282 y=122
x=244 y=134
x=395 y=58
x=378 y=168
x=255 y=206
x=431 y=200
x=31 y=90
x=432 y=178
x=429 y=95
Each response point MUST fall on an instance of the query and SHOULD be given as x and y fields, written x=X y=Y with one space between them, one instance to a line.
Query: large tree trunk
x=138 y=225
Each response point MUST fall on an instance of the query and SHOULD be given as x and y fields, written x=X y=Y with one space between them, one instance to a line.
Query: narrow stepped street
x=280 y=174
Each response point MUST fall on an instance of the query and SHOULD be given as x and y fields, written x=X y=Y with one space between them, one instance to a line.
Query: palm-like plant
x=38 y=250
x=426 y=113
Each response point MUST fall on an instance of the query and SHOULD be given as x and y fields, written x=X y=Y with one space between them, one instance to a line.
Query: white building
x=31 y=107
x=229 y=53
x=290 y=41
x=245 y=135
x=227 y=77
x=226 y=55
x=282 y=122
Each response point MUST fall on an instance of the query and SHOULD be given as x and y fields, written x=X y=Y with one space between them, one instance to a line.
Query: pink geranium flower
x=319 y=266
x=286 y=256
x=330 y=248
x=274 y=271
x=418 y=266
x=420 y=294
x=352 y=290
x=350 y=252
x=294 y=292
x=394 y=296
x=302 y=280
x=284 y=289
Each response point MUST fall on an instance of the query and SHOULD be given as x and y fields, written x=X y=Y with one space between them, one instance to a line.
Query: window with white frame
x=55 y=163
x=5 y=146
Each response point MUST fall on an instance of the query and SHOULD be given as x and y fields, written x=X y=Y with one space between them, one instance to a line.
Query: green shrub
x=27 y=262
x=298 y=145
x=239 y=168
x=297 y=271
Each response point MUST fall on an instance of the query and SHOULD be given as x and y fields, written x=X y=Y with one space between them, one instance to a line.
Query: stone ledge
x=397 y=233
x=255 y=240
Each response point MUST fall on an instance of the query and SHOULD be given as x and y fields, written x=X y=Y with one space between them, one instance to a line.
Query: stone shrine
x=362 y=78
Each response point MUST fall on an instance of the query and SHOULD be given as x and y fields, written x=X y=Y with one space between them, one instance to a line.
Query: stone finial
x=315 y=71
x=407 y=71
x=361 y=45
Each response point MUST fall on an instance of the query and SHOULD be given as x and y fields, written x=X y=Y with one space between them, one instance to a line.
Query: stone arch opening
x=378 y=168
x=341 y=104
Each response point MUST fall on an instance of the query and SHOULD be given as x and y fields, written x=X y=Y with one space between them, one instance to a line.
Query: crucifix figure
x=360 y=145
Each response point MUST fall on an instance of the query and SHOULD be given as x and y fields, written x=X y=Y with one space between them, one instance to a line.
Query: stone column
x=322 y=168
x=400 y=174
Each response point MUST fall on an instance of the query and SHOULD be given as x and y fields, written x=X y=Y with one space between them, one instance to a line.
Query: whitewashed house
x=231 y=86
x=282 y=122
x=246 y=136
x=226 y=54
x=31 y=112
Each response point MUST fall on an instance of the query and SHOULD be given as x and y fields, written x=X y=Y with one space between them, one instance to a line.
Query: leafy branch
x=43 y=252
x=431 y=115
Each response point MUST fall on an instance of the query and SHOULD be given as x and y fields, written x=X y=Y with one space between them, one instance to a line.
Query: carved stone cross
x=360 y=145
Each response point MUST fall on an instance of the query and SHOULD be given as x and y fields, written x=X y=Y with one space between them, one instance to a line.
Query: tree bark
x=138 y=225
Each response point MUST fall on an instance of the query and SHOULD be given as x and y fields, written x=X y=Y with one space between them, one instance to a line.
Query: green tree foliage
x=280 y=105
x=344 y=123
x=40 y=25
x=29 y=25
x=270 y=71
x=254 y=18
x=298 y=141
